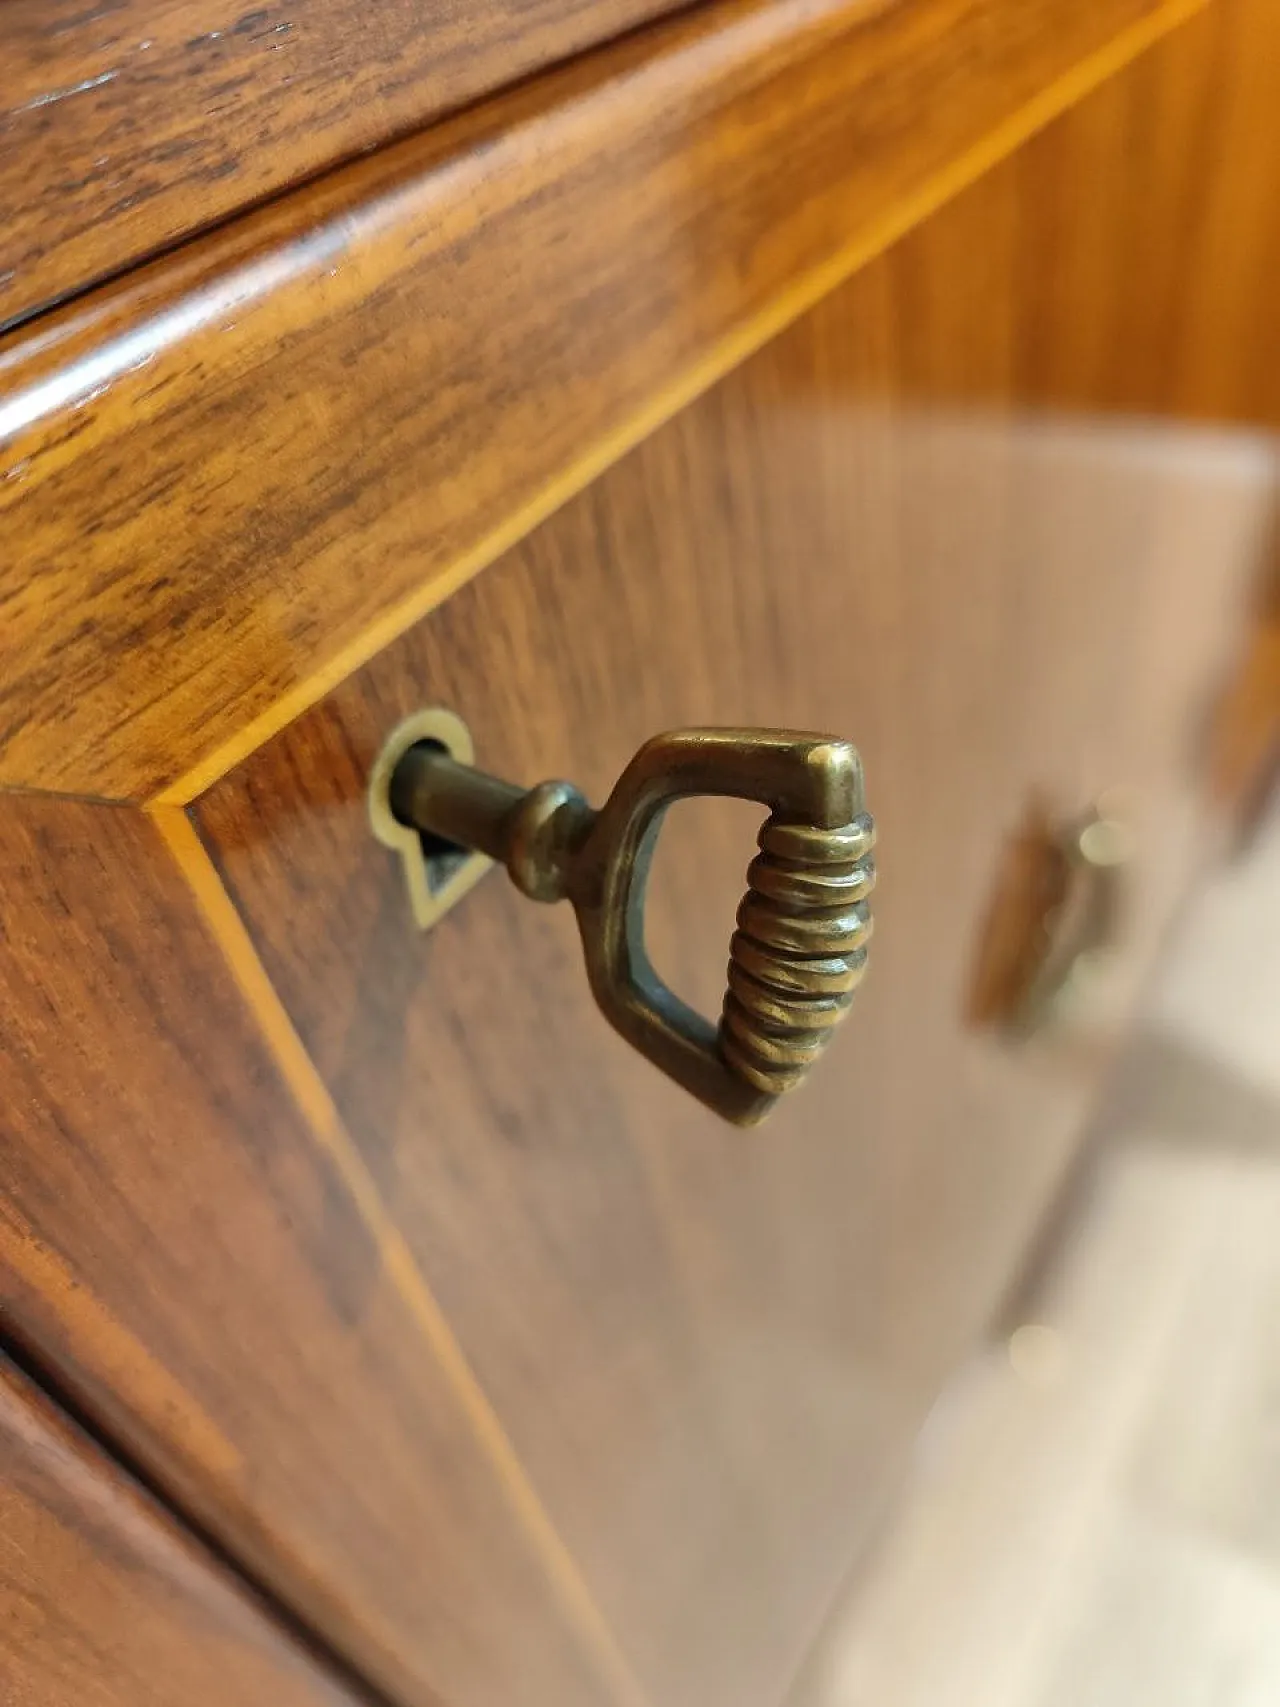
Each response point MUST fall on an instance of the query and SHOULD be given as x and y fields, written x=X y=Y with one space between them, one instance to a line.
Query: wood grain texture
x=201 y=1267
x=107 y=1602
x=709 y=1346
x=1190 y=328
x=233 y=476
x=127 y=124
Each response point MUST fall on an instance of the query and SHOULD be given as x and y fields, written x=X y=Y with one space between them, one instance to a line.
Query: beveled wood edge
x=721 y=356
x=231 y=936
x=194 y=772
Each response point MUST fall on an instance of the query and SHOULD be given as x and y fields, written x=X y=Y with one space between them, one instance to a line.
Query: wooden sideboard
x=905 y=370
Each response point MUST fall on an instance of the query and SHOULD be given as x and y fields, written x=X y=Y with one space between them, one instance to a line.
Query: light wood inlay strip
x=231 y=478
x=313 y=1099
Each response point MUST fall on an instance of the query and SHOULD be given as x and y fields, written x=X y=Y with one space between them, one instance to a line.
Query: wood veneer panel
x=711 y=1346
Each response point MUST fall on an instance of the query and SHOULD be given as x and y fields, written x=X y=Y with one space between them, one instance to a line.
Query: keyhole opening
x=433 y=847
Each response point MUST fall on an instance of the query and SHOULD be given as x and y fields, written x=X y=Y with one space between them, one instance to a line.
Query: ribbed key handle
x=799 y=951
x=800 y=948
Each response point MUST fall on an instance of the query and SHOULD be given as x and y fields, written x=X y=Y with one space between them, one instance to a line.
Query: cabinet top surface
x=237 y=473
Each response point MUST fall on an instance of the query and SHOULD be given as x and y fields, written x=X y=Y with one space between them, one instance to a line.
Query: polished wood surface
x=492 y=1355
x=108 y=1603
x=1190 y=327
x=129 y=125
x=709 y=1346
x=197 y=1260
x=232 y=477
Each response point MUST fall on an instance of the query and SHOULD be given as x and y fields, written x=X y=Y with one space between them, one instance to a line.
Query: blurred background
x=1093 y=1516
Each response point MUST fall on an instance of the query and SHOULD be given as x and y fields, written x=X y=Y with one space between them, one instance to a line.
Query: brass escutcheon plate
x=435 y=881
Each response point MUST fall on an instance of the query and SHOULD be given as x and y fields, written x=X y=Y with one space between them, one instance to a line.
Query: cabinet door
x=107 y=1603
x=709 y=1347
